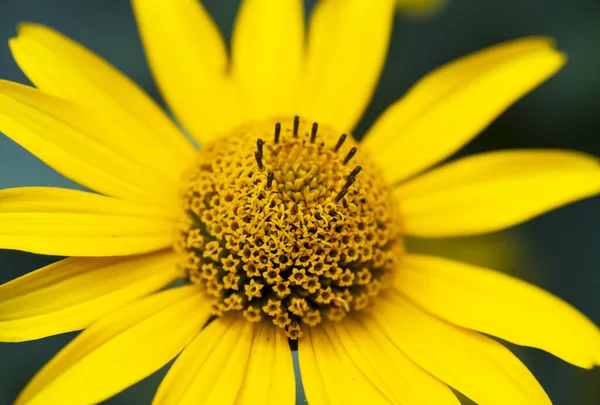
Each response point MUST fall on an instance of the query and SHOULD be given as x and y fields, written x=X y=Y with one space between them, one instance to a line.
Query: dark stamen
x=296 y=125
x=259 y=146
x=340 y=142
x=345 y=188
x=313 y=132
x=355 y=172
x=258 y=158
x=277 y=132
x=349 y=181
x=350 y=155
x=270 y=178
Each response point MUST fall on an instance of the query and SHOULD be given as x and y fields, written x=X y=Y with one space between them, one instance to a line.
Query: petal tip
x=26 y=27
x=543 y=40
x=13 y=42
x=563 y=57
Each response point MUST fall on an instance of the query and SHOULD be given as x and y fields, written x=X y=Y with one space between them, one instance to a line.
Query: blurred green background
x=559 y=251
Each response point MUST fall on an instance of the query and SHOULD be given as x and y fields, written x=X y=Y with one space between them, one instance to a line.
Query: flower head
x=286 y=230
x=281 y=198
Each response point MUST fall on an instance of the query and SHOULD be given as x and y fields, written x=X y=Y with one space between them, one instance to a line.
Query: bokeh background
x=559 y=251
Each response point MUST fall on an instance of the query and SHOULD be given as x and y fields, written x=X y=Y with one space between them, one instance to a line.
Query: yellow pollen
x=312 y=318
x=290 y=221
x=252 y=314
x=282 y=289
x=253 y=289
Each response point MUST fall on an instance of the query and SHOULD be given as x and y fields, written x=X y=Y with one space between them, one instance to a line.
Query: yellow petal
x=269 y=378
x=342 y=380
x=52 y=199
x=477 y=366
x=451 y=105
x=78 y=145
x=77 y=223
x=267 y=51
x=347 y=45
x=499 y=305
x=211 y=369
x=494 y=191
x=312 y=380
x=402 y=381
x=138 y=127
x=188 y=58
x=120 y=349
x=70 y=294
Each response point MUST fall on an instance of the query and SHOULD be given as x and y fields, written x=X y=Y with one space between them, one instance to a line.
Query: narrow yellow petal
x=269 y=378
x=267 y=52
x=120 y=349
x=347 y=46
x=343 y=381
x=72 y=293
x=402 y=381
x=77 y=223
x=138 y=127
x=451 y=105
x=79 y=145
x=188 y=58
x=477 y=366
x=211 y=369
x=495 y=190
x=342 y=339
x=312 y=380
x=499 y=305
x=53 y=199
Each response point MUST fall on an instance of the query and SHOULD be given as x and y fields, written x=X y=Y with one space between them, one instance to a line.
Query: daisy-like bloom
x=287 y=231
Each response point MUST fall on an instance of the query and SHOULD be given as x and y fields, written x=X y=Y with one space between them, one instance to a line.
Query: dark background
x=559 y=251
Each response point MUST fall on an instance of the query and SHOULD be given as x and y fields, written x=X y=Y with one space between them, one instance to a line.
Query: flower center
x=285 y=220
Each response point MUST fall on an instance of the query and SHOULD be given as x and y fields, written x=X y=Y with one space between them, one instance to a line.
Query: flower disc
x=286 y=220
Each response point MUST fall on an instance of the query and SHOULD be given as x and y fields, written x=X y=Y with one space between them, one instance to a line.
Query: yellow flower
x=275 y=212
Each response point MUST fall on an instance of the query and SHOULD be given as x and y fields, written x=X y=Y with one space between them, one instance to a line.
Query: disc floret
x=287 y=220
